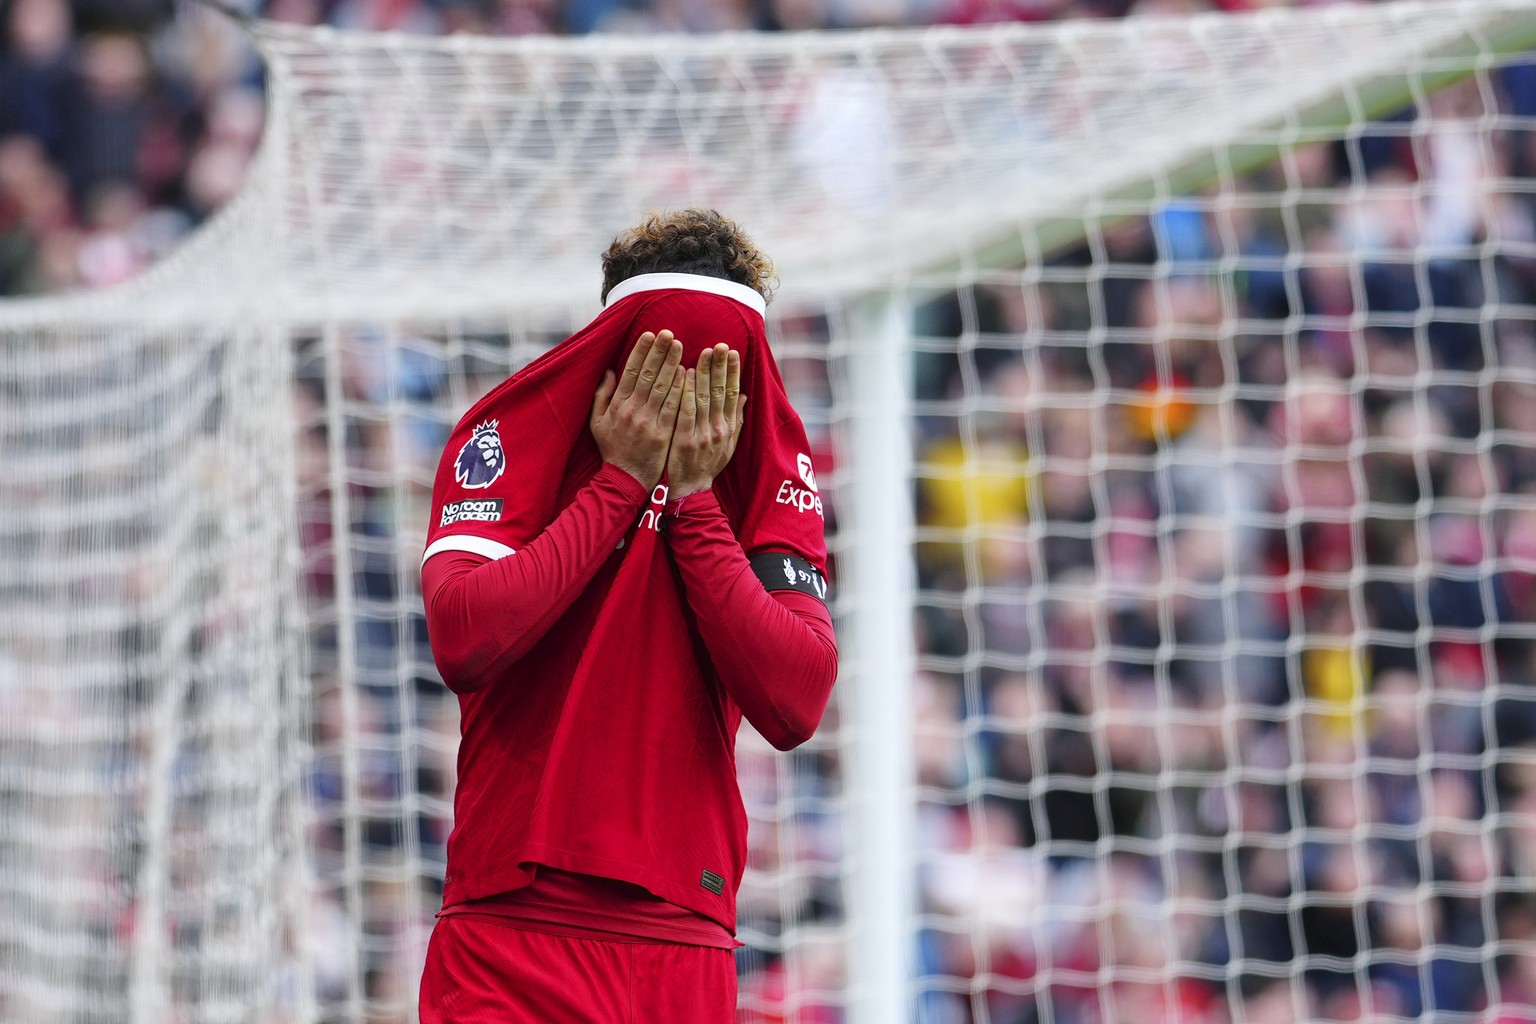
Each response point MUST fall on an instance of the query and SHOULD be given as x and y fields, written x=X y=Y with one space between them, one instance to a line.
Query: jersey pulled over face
x=609 y=747
x=517 y=456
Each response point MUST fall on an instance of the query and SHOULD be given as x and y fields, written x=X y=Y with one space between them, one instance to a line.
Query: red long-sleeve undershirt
x=774 y=653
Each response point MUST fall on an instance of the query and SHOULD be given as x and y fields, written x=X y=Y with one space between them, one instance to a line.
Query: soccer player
x=625 y=557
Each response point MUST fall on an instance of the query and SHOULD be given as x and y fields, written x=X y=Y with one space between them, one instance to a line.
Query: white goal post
x=1172 y=380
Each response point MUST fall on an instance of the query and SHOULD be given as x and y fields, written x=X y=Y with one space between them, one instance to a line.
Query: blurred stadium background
x=1189 y=672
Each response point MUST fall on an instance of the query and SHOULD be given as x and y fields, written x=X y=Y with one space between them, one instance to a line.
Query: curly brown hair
x=688 y=242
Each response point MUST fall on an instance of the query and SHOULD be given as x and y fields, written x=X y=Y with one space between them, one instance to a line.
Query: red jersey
x=606 y=747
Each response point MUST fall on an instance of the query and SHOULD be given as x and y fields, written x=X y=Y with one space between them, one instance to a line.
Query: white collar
x=693 y=282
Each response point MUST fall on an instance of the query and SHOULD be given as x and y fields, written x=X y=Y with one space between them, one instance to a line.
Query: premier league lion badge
x=482 y=459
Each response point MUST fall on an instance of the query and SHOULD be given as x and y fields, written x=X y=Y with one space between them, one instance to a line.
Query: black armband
x=780 y=571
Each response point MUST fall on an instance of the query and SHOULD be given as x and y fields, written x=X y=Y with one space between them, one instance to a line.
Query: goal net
x=1173 y=389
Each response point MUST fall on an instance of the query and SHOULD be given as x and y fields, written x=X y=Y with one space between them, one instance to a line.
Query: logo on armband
x=779 y=571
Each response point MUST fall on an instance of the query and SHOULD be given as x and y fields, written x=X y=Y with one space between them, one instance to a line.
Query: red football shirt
x=607 y=747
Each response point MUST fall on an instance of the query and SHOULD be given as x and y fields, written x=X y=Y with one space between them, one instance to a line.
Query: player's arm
x=774 y=653
x=484 y=615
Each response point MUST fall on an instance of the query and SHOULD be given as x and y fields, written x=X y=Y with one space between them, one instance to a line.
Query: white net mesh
x=1218 y=331
x=151 y=676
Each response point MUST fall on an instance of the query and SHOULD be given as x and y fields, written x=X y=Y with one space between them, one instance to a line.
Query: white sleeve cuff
x=484 y=546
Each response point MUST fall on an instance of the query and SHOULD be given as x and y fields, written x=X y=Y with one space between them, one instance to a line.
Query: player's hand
x=633 y=415
x=708 y=422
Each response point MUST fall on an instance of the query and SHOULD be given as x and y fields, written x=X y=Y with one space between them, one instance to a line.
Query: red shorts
x=480 y=971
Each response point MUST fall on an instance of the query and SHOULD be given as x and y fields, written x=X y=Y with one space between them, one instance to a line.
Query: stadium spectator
x=38 y=233
x=35 y=77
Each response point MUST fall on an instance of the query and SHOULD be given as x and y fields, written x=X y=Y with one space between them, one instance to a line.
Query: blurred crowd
x=126 y=123
x=1227 y=552
x=121 y=129
x=1226 y=709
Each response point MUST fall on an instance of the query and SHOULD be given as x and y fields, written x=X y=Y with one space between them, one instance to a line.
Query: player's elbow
x=468 y=663
x=794 y=724
x=458 y=673
x=458 y=655
x=790 y=733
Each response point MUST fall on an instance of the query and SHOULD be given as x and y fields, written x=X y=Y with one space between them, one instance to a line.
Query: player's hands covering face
x=633 y=415
x=708 y=422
